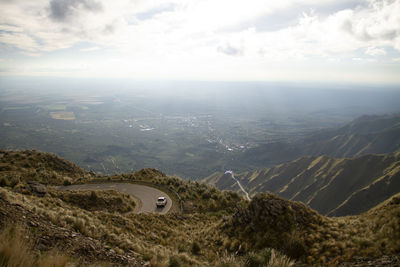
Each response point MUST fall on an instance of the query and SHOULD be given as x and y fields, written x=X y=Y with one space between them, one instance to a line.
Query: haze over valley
x=190 y=129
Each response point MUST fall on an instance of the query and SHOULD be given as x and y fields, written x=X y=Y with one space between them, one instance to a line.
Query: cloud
x=374 y=51
x=182 y=36
x=65 y=10
x=380 y=22
x=168 y=7
x=19 y=40
x=29 y=54
x=90 y=49
x=230 y=50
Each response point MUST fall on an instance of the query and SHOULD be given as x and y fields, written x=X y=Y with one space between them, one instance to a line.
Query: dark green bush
x=93 y=196
x=3 y=182
x=14 y=181
x=174 y=261
x=195 y=248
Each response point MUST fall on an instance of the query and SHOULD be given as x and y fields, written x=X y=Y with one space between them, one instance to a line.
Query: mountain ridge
x=334 y=187
x=368 y=134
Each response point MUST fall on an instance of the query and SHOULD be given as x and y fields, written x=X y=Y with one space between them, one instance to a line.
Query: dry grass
x=371 y=234
x=52 y=259
x=32 y=165
x=197 y=236
x=146 y=234
x=16 y=251
x=321 y=241
x=14 y=248
x=157 y=238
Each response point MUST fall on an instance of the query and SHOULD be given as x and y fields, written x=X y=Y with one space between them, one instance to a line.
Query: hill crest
x=332 y=186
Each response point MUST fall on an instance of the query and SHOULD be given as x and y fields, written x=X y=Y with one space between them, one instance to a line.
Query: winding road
x=145 y=195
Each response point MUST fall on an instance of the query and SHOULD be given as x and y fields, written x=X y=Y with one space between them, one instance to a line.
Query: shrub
x=295 y=247
x=174 y=261
x=181 y=247
x=3 y=195
x=93 y=196
x=146 y=257
x=3 y=182
x=14 y=181
x=195 y=248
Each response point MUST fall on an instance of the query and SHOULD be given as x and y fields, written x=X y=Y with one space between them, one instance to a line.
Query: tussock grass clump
x=263 y=258
x=14 y=248
x=16 y=251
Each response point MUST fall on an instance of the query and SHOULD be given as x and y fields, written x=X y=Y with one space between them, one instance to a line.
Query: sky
x=355 y=41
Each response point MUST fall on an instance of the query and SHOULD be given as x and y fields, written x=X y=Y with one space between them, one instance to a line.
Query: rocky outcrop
x=37 y=188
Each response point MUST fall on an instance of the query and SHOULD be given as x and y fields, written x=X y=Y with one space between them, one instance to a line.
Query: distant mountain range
x=365 y=135
x=332 y=186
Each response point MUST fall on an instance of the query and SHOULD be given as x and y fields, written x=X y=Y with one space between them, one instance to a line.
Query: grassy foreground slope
x=291 y=227
x=331 y=186
x=213 y=228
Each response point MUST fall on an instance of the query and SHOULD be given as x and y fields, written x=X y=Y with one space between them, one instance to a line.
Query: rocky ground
x=388 y=261
x=46 y=236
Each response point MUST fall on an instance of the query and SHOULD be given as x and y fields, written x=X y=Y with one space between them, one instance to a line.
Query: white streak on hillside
x=240 y=185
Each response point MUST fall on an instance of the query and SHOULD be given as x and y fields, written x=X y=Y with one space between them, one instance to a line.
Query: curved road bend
x=146 y=194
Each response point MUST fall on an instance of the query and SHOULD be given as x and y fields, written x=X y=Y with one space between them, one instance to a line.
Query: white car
x=161 y=202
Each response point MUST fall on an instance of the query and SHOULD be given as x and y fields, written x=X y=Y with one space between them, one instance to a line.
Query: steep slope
x=101 y=228
x=38 y=166
x=213 y=228
x=331 y=186
x=365 y=135
x=291 y=227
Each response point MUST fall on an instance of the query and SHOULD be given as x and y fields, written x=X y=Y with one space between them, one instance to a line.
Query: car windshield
x=161 y=199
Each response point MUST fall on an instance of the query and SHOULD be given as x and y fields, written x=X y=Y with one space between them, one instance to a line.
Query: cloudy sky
x=286 y=40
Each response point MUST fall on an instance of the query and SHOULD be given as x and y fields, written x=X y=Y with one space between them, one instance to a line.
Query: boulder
x=37 y=188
